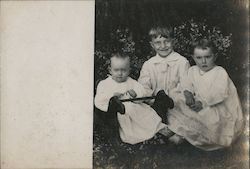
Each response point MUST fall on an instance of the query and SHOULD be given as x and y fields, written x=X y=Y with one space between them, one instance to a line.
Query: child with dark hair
x=137 y=121
x=209 y=116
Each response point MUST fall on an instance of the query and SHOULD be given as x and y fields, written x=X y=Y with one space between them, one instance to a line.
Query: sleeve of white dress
x=186 y=83
x=139 y=89
x=183 y=72
x=219 y=90
x=102 y=97
x=145 y=80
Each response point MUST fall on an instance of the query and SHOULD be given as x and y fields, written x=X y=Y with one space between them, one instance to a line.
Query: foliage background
x=125 y=24
x=128 y=22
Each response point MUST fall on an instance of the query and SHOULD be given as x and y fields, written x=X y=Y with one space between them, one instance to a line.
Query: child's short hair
x=119 y=54
x=204 y=43
x=160 y=30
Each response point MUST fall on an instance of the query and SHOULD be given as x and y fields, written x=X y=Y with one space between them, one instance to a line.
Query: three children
x=207 y=111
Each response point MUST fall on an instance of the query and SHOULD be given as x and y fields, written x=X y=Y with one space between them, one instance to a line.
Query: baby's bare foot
x=176 y=139
x=166 y=132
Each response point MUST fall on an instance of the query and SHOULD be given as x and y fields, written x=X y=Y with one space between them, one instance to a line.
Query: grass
x=158 y=154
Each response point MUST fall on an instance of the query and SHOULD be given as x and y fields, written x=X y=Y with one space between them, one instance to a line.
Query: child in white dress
x=209 y=116
x=137 y=121
x=165 y=70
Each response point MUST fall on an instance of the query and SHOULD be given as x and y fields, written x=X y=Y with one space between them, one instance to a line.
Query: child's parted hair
x=161 y=30
x=204 y=43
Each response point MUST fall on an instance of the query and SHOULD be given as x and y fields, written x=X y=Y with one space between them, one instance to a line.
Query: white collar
x=171 y=57
x=111 y=79
x=201 y=72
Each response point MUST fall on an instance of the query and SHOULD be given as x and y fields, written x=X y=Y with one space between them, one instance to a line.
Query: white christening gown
x=220 y=121
x=140 y=122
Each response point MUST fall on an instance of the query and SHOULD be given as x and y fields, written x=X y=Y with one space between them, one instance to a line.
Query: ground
x=159 y=154
x=156 y=154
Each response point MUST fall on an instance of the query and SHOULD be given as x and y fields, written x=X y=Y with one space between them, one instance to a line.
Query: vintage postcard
x=122 y=84
x=191 y=52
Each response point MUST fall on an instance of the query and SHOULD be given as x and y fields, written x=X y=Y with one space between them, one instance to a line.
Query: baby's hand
x=119 y=95
x=132 y=93
x=197 y=106
x=189 y=98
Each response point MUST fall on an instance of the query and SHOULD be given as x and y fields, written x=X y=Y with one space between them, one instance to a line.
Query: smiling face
x=204 y=58
x=119 y=69
x=162 y=46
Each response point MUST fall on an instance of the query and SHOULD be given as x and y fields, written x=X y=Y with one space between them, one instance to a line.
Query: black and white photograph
x=171 y=84
x=124 y=84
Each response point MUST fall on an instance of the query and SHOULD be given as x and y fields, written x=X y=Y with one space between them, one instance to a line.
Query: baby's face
x=162 y=46
x=204 y=59
x=119 y=69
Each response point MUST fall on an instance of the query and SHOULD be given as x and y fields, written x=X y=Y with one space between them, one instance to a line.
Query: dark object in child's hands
x=137 y=99
x=115 y=105
x=161 y=105
x=164 y=100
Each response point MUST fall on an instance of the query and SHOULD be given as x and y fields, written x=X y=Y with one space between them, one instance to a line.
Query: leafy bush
x=121 y=39
x=185 y=34
x=190 y=31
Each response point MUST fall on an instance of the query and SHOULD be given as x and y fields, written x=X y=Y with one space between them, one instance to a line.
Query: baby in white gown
x=138 y=121
x=209 y=116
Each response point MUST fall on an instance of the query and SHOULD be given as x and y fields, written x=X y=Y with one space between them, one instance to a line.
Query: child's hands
x=191 y=103
x=197 y=106
x=132 y=93
x=189 y=98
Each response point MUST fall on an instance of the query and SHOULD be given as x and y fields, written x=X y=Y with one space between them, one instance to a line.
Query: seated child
x=138 y=121
x=209 y=116
x=165 y=70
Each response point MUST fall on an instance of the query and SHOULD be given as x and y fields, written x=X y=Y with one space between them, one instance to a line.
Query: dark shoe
x=161 y=105
x=165 y=100
x=115 y=105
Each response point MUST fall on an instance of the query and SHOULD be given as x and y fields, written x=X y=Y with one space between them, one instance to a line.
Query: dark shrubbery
x=140 y=50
